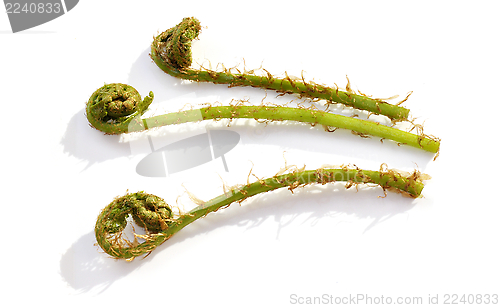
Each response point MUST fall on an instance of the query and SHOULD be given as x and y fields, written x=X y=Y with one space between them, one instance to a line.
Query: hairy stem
x=151 y=211
x=110 y=123
x=171 y=51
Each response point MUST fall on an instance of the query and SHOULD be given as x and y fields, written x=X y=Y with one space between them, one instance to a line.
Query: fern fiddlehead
x=152 y=213
x=116 y=108
x=171 y=51
x=104 y=114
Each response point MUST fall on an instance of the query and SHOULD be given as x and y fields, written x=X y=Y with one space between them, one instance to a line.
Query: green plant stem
x=150 y=211
x=110 y=124
x=171 y=51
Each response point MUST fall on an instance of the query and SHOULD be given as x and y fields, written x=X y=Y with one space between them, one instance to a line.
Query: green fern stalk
x=171 y=51
x=117 y=109
x=156 y=217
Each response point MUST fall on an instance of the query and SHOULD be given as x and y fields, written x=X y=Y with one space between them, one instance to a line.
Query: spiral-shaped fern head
x=147 y=210
x=116 y=108
x=174 y=45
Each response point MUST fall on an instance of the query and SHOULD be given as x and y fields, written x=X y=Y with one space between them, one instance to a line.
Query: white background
x=59 y=173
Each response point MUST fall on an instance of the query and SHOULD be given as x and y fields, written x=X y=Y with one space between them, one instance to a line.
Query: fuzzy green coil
x=116 y=108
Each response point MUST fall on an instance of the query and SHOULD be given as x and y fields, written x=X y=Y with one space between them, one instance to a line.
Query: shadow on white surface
x=90 y=145
x=85 y=269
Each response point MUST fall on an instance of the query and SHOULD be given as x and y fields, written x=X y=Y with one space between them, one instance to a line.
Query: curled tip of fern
x=148 y=211
x=116 y=108
x=174 y=45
